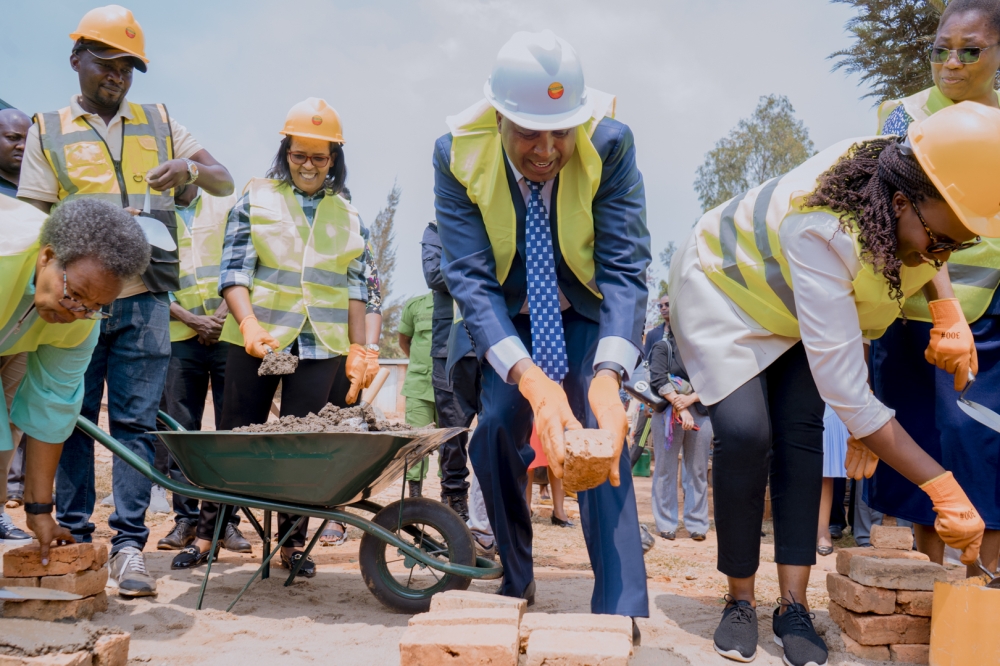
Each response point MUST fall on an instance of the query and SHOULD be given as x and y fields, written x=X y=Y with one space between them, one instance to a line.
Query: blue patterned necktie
x=548 y=343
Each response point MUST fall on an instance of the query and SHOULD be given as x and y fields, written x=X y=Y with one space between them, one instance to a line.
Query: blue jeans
x=132 y=356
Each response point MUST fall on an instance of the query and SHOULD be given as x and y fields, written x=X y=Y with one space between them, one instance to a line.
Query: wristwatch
x=614 y=367
x=374 y=347
x=38 y=509
x=192 y=171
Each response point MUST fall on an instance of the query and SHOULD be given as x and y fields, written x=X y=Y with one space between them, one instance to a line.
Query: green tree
x=383 y=242
x=769 y=143
x=889 y=51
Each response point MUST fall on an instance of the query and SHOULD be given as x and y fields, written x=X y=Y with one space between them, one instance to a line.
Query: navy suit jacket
x=621 y=248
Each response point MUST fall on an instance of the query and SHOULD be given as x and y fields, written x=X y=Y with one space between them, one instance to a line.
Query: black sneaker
x=736 y=636
x=180 y=537
x=11 y=534
x=234 y=541
x=794 y=631
x=416 y=488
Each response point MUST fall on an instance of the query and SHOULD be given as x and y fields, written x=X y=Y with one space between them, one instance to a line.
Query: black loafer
x=558 y=522
x=824 y=550
x=528 y=595
x=189 y=558
x=308 y=568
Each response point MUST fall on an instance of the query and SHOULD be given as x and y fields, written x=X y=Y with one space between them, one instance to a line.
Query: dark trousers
x=455 y=409
x=193 y=366
x=501 y=452
x=341 y=385
x=248 y=400
x=769 y=428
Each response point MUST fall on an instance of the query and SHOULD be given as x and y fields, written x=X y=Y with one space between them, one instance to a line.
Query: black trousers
x=769 y=428
x=248 y=400
x=456 y=409
x=341 y=385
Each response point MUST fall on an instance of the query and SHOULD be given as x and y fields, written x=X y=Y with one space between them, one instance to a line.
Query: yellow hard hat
x=313 y=119
x=114 y=26
x=959 y=150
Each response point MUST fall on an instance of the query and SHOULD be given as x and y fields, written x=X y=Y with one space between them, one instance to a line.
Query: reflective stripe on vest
x=200 y=251
x=301 y=269
x=975 y=273
x=20 y=226
x=477 y=162
x=739 y=246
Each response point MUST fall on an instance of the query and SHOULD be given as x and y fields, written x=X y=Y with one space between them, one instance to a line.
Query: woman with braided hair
x=964 y=62
x=772 y=299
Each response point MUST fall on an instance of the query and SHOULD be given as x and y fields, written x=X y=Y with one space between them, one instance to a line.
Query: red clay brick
x=891 y=538
x=26 y=561
x=881 y=629
x=896 y=574
x=18 y=582
x=910 y=654
x=111 y=650
x=914 y=602
x=872 y=652
x=459 y=599
x=860 y=598
x=845 y=556
x=459 y=645
x=548 y=647
x=589 y=453
x=37 y=609
x=85 y=583
x=580 y=622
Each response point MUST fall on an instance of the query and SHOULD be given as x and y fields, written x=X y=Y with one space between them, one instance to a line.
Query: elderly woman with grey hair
x=56 y=275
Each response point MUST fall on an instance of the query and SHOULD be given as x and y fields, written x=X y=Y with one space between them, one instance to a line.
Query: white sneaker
x=129 y=575
x=109 y=500
x=158 y=500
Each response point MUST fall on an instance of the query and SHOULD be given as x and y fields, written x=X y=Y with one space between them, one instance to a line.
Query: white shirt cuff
x=505 y=354
x=617 y=350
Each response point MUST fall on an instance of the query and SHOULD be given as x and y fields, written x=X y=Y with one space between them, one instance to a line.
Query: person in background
x=103 y=146
x=651 y=337
x=415 y=326
x=685 y=431
x=197 y=360
x=835 y=436
x=539 y=473
x=964 y=61
x=14 y=126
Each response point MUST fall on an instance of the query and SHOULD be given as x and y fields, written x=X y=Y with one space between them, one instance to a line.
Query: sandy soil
x=333 y=618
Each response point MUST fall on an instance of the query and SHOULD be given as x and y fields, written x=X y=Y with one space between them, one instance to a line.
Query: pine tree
x=382 y=239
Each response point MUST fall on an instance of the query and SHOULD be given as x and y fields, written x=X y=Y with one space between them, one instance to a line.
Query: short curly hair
x=92 y=228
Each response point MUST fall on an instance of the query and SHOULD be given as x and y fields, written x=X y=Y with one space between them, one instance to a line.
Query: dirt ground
x=333 y=618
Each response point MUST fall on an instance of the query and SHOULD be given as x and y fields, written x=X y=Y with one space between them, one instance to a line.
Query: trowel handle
x=368 y=395
x=968 y=385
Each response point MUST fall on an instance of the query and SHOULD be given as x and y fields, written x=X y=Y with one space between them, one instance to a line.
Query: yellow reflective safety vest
x=301 y=268
x=200 y=252
x=975 y=273
x=84 y=167
x=477 y=162
x=739 y=246
x=20 y=226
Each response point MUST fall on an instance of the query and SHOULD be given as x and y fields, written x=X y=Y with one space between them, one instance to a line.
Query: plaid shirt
x=239 y=265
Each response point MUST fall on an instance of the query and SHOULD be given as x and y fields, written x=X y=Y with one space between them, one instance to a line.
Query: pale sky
x=684 y=74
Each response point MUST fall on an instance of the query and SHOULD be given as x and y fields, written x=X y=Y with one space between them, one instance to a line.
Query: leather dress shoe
x=528 y=595
x=179 y=538
x=558 y=522
x=234 y=540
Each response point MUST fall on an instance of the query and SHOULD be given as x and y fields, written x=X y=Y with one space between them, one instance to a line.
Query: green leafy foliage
x=383 y=243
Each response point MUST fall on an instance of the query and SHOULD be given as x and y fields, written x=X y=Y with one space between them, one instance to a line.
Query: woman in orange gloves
x=964 y=62
x=772 y=298
x=292 y=277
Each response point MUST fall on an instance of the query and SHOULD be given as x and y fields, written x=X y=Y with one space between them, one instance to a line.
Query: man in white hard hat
x=541 y=213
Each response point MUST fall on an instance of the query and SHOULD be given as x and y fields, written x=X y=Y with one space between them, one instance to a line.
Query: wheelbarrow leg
x=267 y=560
x=266 y=553
x=265 y=536
x=219 y=520
x=298 y=565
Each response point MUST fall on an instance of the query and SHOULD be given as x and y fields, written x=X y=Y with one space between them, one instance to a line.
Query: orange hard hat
x=114 y=26
x=959 y=150
x=313 y=119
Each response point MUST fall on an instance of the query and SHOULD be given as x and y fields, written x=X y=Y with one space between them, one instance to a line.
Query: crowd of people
x=787 y=356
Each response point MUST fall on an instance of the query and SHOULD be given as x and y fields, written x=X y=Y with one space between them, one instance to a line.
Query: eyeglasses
x=319 y=161
x=939 y=245
x=76 y=306
x=966 y=55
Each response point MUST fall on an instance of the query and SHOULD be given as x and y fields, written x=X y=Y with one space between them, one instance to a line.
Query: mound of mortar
x=330 y=419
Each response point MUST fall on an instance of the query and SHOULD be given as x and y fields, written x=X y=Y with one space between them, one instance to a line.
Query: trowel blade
x=43 y=593
x=987 y=417
x=156 y=233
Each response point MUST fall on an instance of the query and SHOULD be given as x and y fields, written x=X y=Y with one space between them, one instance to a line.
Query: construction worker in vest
x=771 y=299
x=197 y=314
x=104 y=147
x=541 y=214
x=57 y=276
x=290 y=279
x=964 y=64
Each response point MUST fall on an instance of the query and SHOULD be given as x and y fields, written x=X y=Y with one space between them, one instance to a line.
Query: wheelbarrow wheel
x=399 y=581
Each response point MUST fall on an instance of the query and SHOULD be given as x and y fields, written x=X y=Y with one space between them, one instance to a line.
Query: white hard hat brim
x=540 y=122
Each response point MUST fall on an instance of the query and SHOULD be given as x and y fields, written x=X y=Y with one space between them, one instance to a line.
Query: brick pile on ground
x=36 y=643
x=78 y=568
x=881 y=597
x=476 y=629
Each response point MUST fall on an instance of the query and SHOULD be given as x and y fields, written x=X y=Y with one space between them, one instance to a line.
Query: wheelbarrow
x=411 y=549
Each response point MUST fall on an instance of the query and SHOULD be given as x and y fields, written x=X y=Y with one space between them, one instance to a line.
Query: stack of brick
x=78 y=568
x=36 y=643
x=475 y=629
x=881 y=597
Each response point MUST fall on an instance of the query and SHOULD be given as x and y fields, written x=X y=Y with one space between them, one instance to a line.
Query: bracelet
x=38 y=509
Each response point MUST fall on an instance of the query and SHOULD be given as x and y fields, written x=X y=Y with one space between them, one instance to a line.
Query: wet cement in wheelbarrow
x=330 y=419
x=277 y=364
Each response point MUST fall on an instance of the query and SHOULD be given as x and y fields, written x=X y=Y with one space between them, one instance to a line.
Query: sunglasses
x=966 y=55
x=76 y=306
x=939 y=245
x=318 y=161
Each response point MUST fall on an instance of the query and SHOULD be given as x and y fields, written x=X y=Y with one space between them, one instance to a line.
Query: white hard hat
x=537 y=83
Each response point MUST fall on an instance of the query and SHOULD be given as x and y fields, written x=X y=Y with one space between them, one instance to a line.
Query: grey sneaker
x=128 y=574
x=11 y=534
x=109 y=500
x=736 y=636
x=158 y=500
x=794 y=631
x=647 y=539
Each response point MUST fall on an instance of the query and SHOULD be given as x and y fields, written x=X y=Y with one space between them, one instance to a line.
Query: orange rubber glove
x=552 y=414
x=952 y=347
x=860 y=461
x=958 y=523
x=255 y=338
x=371 y=356
x=610 y=413
x=355 y=367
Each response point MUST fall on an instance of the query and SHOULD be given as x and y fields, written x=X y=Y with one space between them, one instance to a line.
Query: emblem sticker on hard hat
x=317 y=120
x=556 y=90
x=130 y=33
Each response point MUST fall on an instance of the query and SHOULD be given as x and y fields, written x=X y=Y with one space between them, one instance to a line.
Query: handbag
x=637 y=385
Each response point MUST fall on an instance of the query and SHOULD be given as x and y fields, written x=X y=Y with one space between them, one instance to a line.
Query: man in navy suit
x=541 y=215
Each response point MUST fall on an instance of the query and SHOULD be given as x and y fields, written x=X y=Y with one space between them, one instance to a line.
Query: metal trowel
x=156 y=232
x=983 y=415
x=994 y=580
x=28 y=593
